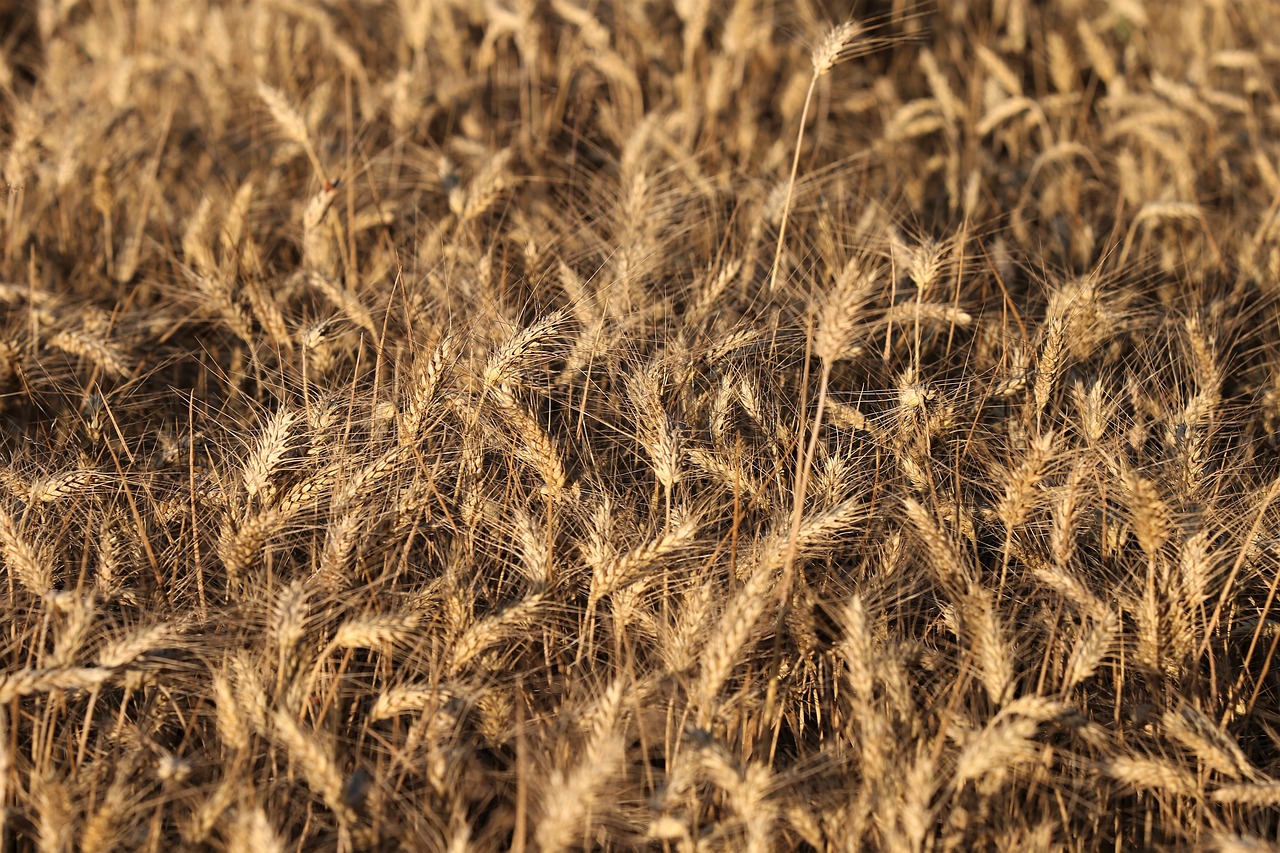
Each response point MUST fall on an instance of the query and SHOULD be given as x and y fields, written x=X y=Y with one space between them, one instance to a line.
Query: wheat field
x=677 y=425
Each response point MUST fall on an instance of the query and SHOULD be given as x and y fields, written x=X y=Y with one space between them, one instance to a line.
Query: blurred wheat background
x=673 y=425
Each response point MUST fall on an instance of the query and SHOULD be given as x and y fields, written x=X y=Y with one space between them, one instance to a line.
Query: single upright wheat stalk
x=824 y=57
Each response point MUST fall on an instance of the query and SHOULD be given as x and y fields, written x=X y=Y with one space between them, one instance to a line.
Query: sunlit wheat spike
x=1152 y=520
x=837 y=40
x=28 y=564
x=840 y=313
x=945 y=558
x=290 y=121
x=1020 y=484
x=60 y=486
x=625 y=568
x=27 y=682
x=231 y=725
x=485 y=189
x=493 y=629
x=534 y=445
x=408 y=698
x=374 y=630
x=1263 y=794
x=1050 y=363
x=522 y=349
x=102 y=830
x=1000 y=747
x=252 y=830
x=731 y=635
x=816 y=531
x=428 y=376
x=272 y=446
x=236 y=220
x=314 y=759
x=1097 y=52
x=97 y=352
x=561 y=469
x=858 y=649
x=1140 y=773
x=289 y=612
x=992 y=648
x=573 y=794
x=1217 y=749
x=128 y=648
x=1095 y=642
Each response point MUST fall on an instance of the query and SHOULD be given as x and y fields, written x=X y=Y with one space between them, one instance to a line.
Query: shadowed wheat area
x=668 y=426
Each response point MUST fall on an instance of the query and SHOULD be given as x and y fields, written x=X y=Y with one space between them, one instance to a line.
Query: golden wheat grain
x=494 y=629
x=232 y=728
x=374 y=630
x=731 y=635
x=992 y=649
x=99 y=353
x=838 y=317
x=573 y=795
x=823 y=58
x=291 y=122
x=251 y=830
x=1152 y=519
x=60 y=486
x=26 y=682
x=946 y=562
x=1096 y=640
x=1020 y=497
x=102 y=830
x=51 y=799
x=616 y=573
x=520 y=351
x=316 y=761
x=128 y=648
x=1263 y=794
x=1095 y=245
x=1049 y=364
x=78 y=613
x=999 y=748
x=1217 y=749
x=28 y=564
x=272 y=446
x=407 y=697
x=534 y=445
x=1148 y=774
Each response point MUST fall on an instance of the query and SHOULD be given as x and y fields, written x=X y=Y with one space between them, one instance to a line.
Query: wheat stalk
x=825 y=54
